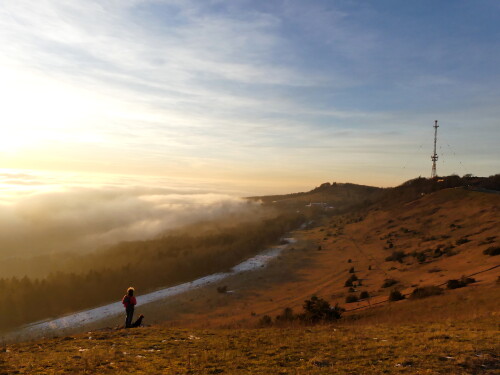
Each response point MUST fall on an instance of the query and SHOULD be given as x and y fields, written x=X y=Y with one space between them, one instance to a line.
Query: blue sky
x=275 y=96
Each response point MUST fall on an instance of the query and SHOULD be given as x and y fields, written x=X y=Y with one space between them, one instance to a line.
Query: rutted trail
x=83 y=318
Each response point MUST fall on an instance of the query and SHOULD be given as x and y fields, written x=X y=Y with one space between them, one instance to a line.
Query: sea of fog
x=52 y=212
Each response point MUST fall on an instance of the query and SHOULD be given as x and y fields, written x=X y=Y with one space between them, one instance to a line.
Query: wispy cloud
x=203 y=84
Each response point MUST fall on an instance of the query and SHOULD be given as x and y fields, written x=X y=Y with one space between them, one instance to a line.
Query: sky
x=260 y=96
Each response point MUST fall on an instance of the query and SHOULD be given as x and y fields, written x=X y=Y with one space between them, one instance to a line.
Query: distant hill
x=342 y=197
x=338 y=196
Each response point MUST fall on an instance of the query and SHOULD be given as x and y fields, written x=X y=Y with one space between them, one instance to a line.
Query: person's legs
x=128 y=319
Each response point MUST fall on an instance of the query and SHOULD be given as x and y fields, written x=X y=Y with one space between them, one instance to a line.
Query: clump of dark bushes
x=492 y=250
x=460 y=283
x=351 y=280
x=266 y=320
x=462 y=240
x=389 y=282
x=396 y=295
x=364 y=295
x=316 y=310
x=286 y=316
x=396 y=256
x=351 y=298
x=426 y=291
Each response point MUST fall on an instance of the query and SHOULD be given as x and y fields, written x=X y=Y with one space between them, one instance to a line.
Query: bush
x=351 y=298
x=364 y=295
x=492 y=250
x=389 y=282
x=369 y=268
x=348 y=283
x=222 y=289
x=426 y=291
x=286 y=316
x=462 y=240
x=349 y=260
x=351 y=290
x=351 y=270
x=317 y=309
x=460 y=283
x=353 y=277
x=421 y=257
x=265 y=321
x=395 y=295
x=396 y=256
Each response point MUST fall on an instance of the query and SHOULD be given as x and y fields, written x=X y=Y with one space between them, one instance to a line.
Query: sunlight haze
x=266 y=96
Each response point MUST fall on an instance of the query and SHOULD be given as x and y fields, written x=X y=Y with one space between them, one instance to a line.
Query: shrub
x=395 y=295
x=265 y=321
x=437 y=253
x=369 y=268
x=351 y=298
x=426 y=291
x=421 y=257
x=351 y=270
x=396 y=256
x=317 y=309
x=349 y=260
x=348 y=283
x=460 y=283
x=222 y=289
x=286 y=316
x=389 y=282
x=360 y=282
x=364 y=295
x=353 y=277
x=462 y=240
x=492 y=250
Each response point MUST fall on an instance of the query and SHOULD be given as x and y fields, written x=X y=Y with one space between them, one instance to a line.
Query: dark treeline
x=147 y=265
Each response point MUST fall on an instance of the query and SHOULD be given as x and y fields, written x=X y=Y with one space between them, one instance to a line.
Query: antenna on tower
x=434 y=156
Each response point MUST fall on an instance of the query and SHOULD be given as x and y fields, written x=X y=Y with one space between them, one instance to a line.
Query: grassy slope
x=453 y=333
x=306 y=271
x=410 y=349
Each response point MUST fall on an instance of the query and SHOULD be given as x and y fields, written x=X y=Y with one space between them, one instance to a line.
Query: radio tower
x=434 y=157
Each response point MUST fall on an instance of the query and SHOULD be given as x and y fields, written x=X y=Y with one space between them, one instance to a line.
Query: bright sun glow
x=36 y=111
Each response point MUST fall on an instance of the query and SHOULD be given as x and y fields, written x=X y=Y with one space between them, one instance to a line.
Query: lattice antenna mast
x=434 y=157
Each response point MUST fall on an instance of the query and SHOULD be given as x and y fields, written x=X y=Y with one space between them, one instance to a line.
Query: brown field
x=441 y=218
x=206 y=332
x=469 y=347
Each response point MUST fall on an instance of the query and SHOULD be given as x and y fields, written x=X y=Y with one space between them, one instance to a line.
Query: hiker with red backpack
x=129 y=302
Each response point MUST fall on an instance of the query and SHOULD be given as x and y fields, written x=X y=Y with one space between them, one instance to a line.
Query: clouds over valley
x=47 y=218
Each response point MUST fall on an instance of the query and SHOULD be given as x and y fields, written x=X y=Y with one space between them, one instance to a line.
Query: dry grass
x=453 y=333
x=305 y=271
x=453 y=348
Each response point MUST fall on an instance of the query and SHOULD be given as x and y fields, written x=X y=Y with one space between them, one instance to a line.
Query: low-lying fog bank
x=44 y=214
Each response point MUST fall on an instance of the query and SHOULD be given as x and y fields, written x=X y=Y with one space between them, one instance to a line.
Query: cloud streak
x=195 y=87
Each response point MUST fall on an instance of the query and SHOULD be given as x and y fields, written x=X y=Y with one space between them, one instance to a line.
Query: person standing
x=129 y=302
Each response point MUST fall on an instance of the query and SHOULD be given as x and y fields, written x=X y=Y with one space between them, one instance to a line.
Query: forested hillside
x=147 y=265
